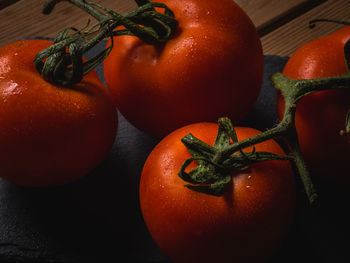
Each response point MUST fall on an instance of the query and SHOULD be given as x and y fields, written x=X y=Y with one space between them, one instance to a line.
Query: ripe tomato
x=320 y=116
x=246 y=224
x=49 y=135
x=211 y=67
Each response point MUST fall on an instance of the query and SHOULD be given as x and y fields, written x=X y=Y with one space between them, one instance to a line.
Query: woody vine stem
x=62 y=64
x=215 y=163
x=223 y=159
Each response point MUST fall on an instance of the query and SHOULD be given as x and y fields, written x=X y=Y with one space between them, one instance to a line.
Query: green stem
x=303 y=171
x=215 y=162
x=62 y=67
x=294 y=89
x=269 y=134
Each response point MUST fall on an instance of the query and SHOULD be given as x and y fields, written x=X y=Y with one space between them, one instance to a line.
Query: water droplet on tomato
x=77 y=106
x=4 y=65
x=250 y=188
x=11 y=89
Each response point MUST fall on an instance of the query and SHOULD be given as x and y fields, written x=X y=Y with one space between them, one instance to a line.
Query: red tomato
x=49 y=135
x=320 y=116
x=246 y=224
x=211 y=67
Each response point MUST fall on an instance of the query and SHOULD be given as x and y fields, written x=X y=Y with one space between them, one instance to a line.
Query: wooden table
x=282 y=24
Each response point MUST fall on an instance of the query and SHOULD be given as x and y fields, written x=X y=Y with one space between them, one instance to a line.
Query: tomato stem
x=215 y=163
x=223 y=157
x=61 y=63
x=303 y=171
x=312 y=23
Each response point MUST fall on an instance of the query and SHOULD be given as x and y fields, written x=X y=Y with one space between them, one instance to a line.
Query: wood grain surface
x=284 y=21
x=286 y=39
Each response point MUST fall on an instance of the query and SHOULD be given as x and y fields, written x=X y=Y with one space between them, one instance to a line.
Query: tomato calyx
x=62 y=63
x=216 y=163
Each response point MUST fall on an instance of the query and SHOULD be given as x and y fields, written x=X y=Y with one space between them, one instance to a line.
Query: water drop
x=250 y=188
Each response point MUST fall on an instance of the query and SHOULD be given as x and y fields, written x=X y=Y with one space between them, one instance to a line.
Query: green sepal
x=225 y=132
x=217 y=188
x=197 y=148
x=215 y=163
x=200 y=174
x=226 y=125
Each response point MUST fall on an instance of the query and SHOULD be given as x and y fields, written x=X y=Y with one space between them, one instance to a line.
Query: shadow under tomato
x=97 y=217
x=320 y=232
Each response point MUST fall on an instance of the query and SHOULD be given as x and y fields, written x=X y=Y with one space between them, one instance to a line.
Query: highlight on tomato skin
x=50 y=135
x=211 y=67
x=321 y=116
x=247 y=224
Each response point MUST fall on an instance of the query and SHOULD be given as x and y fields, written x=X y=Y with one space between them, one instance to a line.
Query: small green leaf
x=228 y=127
x=216 y=189
x=203 y=173
x=197 y=148
x=183 y=175
x=222 y=138
x=212 y=175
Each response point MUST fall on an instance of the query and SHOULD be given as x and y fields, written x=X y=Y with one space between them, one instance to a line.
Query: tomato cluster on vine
x=211 y=66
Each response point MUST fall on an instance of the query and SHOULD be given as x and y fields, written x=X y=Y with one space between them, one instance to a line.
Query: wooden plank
x=267 y=14
x=286 y=39
x=24 y=19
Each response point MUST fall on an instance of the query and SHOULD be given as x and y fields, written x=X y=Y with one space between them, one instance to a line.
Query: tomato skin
x=320 y=116
x=50 y=135
x=246 y=224
x=211 y=67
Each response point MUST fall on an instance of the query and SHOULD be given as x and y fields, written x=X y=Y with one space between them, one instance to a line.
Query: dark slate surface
x=98 y=217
